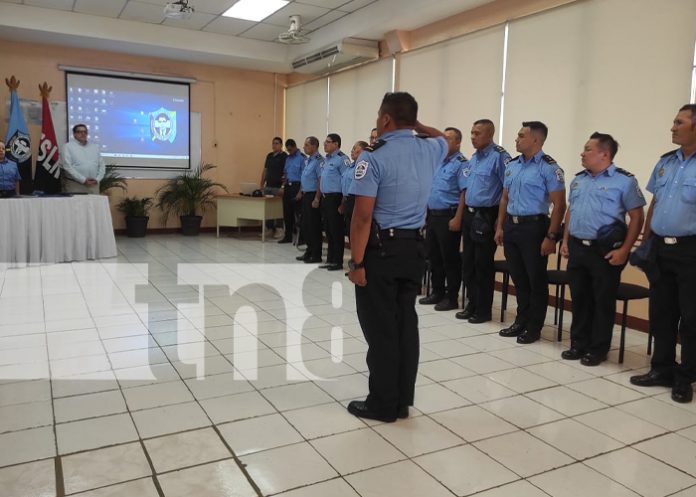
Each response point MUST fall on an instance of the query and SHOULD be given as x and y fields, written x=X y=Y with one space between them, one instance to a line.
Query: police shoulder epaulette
x=375 y=145
x=621 y=170
x=462 y=158
x=513 y=159
x=500 y=149
x=340 y=154
x=671 y=152
x=548 y=159
x=422 y=135
x=581 y=172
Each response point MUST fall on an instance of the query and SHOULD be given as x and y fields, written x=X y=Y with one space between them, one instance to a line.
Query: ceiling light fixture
x=254 y=10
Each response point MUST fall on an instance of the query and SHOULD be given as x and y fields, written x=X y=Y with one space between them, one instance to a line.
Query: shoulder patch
x=559 y=175
x=461 y=158
x=623 y=171
x=671 y=152
x=548 y=159
x=500 y=149
x=580 y=173
x=512 y=159
x=376 y=145
x=361 y=169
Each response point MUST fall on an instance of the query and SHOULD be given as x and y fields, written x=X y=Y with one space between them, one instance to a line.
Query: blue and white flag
x=18 y=144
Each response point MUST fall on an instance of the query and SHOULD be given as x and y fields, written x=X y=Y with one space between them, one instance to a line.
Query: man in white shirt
x=83 y=165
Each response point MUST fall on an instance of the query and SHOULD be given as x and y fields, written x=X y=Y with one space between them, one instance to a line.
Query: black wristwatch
x=352 y=265
x=555 y=236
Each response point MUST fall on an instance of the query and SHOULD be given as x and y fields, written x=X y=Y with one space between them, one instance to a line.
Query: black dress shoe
x=478 y=319
x=302 y=257
x=325 y=266
x=403 y=412
x=528 y=337
x=335 y=267
x=465 y=314
x=430 y=299
x=514 y=330
x=285 y=240
x=446 y=305
x=359 y=408
x=312 y=260
x=682 y=392
x=591 y=359
x=653 y=378
x=572 y=354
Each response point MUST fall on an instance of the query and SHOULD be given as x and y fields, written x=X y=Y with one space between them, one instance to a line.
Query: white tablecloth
x=56 y=229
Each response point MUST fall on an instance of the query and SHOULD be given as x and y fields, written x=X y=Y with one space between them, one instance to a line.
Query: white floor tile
x=473 y=423
x=520 y=488
x=143 y=487
x=99 y=468
x=578 y=480
x=672 y=449
x=356 y=450
x=566 y=401
x=641 y=473
x=559 y=372
x=354 y=386
x=83 y=384
x=482 y=363
x=25 y=391
x=668 y=416
x=478 y=389
x=444 y=370
x=620 y=425
x=520 y=380
x=575 y=439
x=94 y=433
x=157 y=395
x=286 y=468
x=181 y=450
x=169 y=419
x=404 y=479
x=218 y=386
x=606 y=391
x=22 y=416
x=326 y=419
x=89 y=406
x=257 y=434
x=522 y=411
x=333 y=488
x=433 y=397
x=36 y=479
x=418 y=435
x=220 y=479
x=287 y=397
x=236 y=407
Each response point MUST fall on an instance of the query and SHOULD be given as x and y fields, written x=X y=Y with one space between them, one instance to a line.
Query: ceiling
x=139 y=26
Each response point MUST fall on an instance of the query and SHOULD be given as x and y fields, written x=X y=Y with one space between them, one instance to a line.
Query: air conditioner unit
x=347 y=52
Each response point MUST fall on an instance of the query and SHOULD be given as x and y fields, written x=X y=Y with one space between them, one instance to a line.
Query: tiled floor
x=221 y=367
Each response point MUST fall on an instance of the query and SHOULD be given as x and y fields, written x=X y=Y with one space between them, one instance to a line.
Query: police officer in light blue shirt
x=481 y=185
x=392 y=183
x=9 y=175
x=348 y=204
x=335 y=163
x=671 y=224
x=291 y=188
x=443 y=244
x=533 y=181
x=597 y=243
x=311 y=217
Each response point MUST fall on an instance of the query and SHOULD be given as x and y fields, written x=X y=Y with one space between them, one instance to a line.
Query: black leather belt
x=442 y=212
x=674 y=240
x=331 y=194
x=525 y=219
x=398 y=233
x=585 y=242
x=290 y=183
x=475 y=209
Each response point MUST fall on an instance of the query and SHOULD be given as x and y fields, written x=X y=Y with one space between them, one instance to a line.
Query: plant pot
x=190 y=225
x=136 y=226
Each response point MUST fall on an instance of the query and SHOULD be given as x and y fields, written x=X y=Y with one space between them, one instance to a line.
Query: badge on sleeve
x=559 y=175
x=639 y=191
x=661 y=172
x=466 y=171
x=361 y=169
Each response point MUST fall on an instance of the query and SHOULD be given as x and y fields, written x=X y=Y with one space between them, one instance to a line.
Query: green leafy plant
x=134 y=206
x=187 y=194
x=112 y=179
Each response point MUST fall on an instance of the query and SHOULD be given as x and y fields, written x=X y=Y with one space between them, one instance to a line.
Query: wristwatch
x=352 y=265
x=555 y=236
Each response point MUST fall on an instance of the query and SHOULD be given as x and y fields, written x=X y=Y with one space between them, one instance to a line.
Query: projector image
x=178 y=10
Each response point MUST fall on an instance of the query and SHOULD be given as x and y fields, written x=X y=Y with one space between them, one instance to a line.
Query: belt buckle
x=670 y=240
x=516 y=219
x=471 y=209
x=587 y=243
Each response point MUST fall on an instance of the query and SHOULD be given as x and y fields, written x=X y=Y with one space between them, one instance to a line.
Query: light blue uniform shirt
x=484 y=176
x=332 y=170
x=673 y=184
x=530 y=182
x=347 y=179
x=311 y=172
x=293 y=166
x=597 y=201
x=9 y=174
x=398 y=173
x=445 y=191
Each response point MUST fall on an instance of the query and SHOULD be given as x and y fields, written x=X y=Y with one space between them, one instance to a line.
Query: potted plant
x=135 y=210
x=111 y=180
x=186 y=195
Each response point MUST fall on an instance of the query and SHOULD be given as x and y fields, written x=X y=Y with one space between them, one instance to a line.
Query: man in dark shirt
x=272 y=178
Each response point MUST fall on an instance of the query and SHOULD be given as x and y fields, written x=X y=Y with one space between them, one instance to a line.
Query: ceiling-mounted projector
x=294 y=35
x=180 y=9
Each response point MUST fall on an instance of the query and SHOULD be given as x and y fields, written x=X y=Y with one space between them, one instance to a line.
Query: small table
x=232 y=208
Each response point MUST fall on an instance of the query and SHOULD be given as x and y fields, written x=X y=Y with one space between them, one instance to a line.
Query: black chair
x=502 y=266
x=559 y=278
x=427 y=276
x=626 y=292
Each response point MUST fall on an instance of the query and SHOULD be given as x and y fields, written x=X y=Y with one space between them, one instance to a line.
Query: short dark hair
x=362 y=144
x=313 y=140
x=373 y=129
x=485 y=122
x=606 y=142
x=277 y=139
x=456 y=132
x=402 y=108
x=78 y=126
x=537 y=127
x=692 y=108
x=290 y=143
x=335 y=138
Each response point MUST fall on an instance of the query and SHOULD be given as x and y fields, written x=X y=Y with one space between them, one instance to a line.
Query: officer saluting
x=533 y=181
x=671 y=223
x=391 y=187
x=597 y=244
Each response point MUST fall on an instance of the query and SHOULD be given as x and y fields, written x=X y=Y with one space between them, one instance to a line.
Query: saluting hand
x=548 y=247
x=358 y=277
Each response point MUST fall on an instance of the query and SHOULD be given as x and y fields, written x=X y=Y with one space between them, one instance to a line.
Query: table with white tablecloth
x=56 y=229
